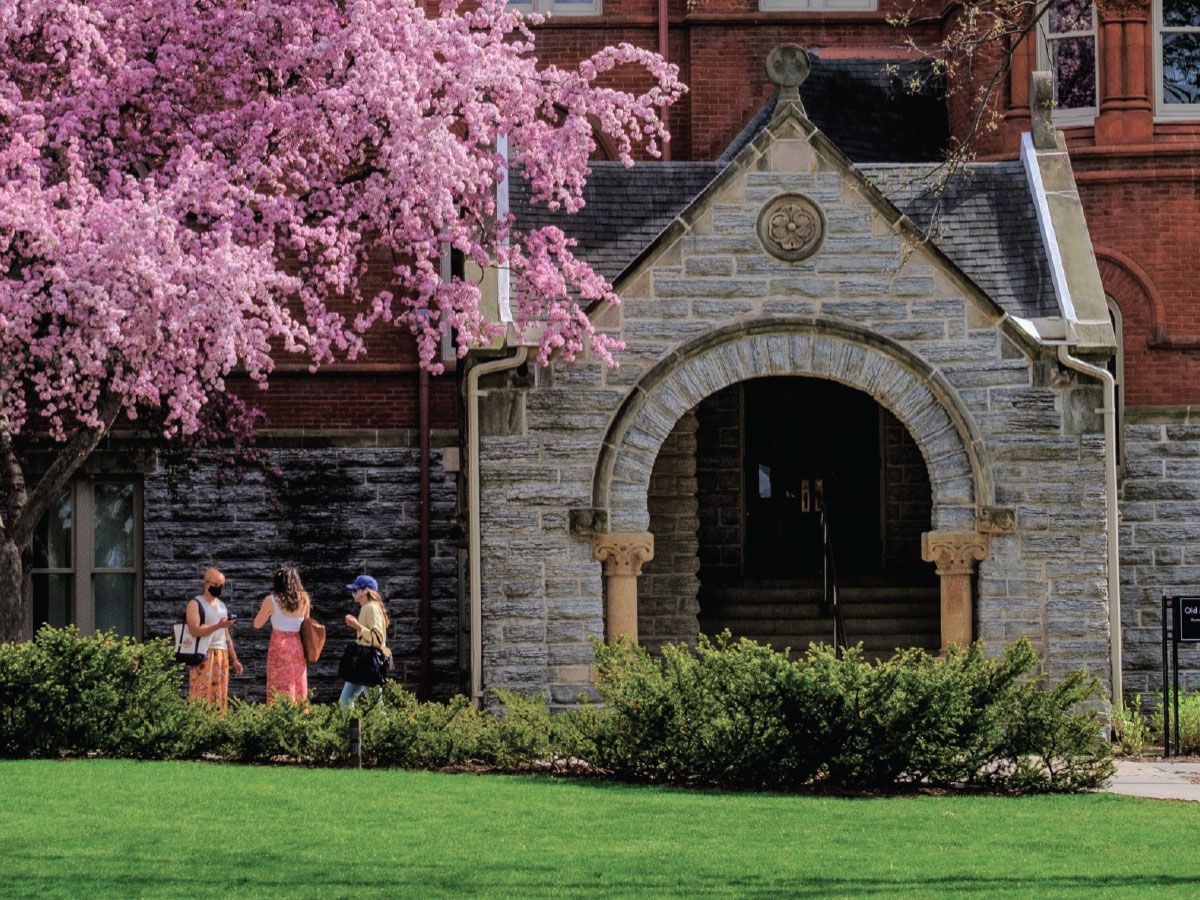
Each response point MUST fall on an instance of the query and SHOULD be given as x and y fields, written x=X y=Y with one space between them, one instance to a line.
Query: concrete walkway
x=1162 y=780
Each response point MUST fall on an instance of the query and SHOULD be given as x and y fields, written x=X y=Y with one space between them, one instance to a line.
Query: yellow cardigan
x=373 y=630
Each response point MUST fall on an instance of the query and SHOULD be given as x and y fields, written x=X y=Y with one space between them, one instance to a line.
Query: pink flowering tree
x=191 y=188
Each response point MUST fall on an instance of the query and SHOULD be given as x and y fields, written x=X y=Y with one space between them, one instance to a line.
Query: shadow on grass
x=548 y=883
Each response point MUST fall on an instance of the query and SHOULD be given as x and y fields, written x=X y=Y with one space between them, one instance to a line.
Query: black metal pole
x=1175 y=674
x=1166 y=685
x=356 y=743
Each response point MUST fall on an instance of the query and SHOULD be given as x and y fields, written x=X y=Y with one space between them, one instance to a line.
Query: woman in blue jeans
x=371 y=624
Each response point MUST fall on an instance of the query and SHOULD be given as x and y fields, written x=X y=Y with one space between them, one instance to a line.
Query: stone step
x=856 y=629
x=792 y=594
x=800 y=611
x=877 y=647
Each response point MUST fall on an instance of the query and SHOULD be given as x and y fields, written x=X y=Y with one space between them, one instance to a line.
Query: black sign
x=1187 y=618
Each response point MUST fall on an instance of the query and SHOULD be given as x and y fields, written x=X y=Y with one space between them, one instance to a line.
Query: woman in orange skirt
x=286 y=606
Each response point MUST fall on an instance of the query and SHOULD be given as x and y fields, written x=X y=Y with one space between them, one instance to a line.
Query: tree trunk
x=12 y=609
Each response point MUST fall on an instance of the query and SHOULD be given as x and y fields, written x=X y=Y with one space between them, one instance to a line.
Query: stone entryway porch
x=734 y=493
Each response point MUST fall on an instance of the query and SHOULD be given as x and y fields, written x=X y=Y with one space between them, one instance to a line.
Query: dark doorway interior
x=769 y=453
x=809 y=444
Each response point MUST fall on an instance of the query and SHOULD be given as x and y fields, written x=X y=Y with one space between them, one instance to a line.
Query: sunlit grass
x=94 y=829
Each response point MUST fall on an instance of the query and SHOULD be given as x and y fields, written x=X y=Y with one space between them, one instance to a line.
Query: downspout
x=425 y=610
x=474 y=537
x=1040 y=103
x=663 y=50
x=1110 y=502
x=475 y=541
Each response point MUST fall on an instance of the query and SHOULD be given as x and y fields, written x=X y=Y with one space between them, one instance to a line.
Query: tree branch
x=66 y=462
x=12 y=476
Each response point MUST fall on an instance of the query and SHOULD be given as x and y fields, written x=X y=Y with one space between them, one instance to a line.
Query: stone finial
x=1041 y=107
x=954 y=552
x=623 y=554
x=787 y=66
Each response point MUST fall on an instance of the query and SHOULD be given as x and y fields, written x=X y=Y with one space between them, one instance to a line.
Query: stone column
x=622 y=555
x=955 y=554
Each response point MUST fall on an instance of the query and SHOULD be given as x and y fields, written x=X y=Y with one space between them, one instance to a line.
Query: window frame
x=1163 y=111
x=818 y=5
x=557 y=8
x=81 y=610
x=1084 y=115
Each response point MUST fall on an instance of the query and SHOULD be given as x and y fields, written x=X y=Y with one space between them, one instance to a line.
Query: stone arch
x=919 y=396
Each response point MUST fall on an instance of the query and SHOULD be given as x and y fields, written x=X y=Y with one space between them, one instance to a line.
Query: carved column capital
x=954 y=552
x=1123 y=10
x=623 y=554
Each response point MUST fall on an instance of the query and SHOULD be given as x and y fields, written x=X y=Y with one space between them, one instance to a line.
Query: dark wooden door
x=809 y=442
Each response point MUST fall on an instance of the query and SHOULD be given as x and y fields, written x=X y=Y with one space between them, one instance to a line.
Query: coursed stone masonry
x=708 y=308
x=1160 y=539
x=338 y=511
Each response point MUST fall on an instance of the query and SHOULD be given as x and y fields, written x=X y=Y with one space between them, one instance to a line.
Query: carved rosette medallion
x=791 y=227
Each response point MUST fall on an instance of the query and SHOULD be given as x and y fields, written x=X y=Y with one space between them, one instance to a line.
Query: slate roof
x=625 y=209
x=887 y=121
x=985 y=219
x=985 y=222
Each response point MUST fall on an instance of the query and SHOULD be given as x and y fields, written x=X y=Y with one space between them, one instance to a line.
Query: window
x=559 y=7
x=815 y=5
x=87 y=559
x=1067 y=47
x=1177 y=58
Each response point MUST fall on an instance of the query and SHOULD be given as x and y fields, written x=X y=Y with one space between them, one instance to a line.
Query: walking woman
x=371 y=624
x=286 y=606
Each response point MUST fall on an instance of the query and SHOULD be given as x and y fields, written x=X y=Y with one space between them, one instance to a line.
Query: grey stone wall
x=719 y=484
x=907 y=498
x=710 y=308
x=667 y=590
x=1160 y=540
x=337 y=512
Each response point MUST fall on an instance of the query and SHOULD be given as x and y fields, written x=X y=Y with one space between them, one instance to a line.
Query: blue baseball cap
x=364 y=581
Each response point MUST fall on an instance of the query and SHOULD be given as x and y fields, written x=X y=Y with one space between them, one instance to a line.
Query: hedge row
x=732 y=714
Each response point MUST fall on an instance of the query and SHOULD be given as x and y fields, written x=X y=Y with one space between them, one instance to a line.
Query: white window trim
x=817 y=5
x=1169 y=112
x=83 y=603
x=554 y=8
x=1084 y=115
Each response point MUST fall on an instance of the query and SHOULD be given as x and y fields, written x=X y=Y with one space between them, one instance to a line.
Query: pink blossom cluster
x=188 y=186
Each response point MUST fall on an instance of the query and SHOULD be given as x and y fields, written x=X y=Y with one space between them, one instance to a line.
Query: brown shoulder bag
x=312 y=636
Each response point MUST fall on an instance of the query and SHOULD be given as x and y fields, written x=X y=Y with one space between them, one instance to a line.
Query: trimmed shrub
x=735 y=714
x=728 y=713
x=66 y=695
x=1048 y=747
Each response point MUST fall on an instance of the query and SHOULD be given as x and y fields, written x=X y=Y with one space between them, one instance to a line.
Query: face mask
x=214 y=590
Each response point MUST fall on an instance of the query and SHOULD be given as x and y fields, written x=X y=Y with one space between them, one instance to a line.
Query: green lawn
x=124 y=829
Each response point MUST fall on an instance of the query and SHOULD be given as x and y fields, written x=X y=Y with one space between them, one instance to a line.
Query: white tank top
x=283 y=622
x=208 y=617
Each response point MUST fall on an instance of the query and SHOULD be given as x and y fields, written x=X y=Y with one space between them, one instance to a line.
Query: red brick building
x=350 y=440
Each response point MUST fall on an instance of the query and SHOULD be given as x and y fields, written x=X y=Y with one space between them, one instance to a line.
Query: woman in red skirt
x=286 y=606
